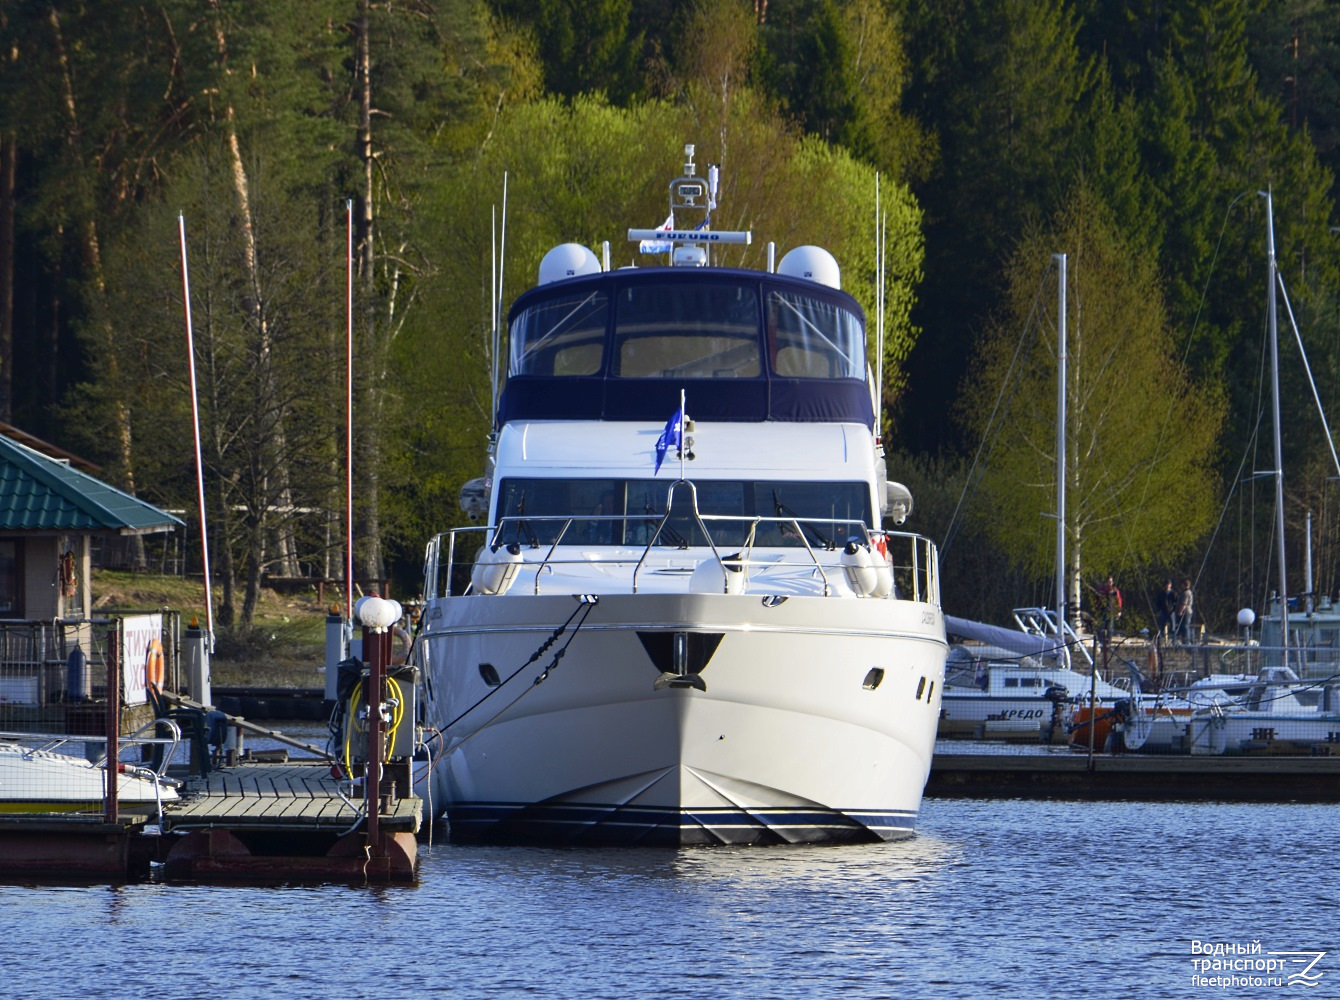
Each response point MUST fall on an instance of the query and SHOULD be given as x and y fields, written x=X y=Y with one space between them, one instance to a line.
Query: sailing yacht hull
x=805 y=720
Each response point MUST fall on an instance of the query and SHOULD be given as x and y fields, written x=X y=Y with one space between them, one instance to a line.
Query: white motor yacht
x=686 y=617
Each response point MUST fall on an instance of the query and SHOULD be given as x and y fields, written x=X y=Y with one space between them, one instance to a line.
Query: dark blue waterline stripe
x=637 y=815
x=580 y=823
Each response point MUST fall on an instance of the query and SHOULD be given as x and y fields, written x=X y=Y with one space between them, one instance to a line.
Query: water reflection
x=1000 y=897
x=810 y=867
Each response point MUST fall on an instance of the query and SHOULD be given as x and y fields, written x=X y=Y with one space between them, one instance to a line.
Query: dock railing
x=74 y=692
x=52 y=672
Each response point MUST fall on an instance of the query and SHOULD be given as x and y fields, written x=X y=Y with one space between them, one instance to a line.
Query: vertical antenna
x=502 y=262
x=883 y=267
x=879 y=314
x=195 y=423
x=1272 y=318
x=349 y=413
x=493 y=313
x=1061 y=361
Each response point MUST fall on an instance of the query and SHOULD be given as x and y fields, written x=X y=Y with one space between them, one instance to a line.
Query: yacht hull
x=680 y=718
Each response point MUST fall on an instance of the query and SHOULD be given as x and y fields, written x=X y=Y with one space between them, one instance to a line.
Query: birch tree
x=1140 y=435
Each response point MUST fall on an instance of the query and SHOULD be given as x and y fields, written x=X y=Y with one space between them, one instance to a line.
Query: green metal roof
x=40 y=494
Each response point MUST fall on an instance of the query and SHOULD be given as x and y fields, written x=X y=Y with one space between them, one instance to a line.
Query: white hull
x=758 y=655
x=1011 y=699
x=982 y=714
x=785 y=742
x=42 y=781
x=1229 y=733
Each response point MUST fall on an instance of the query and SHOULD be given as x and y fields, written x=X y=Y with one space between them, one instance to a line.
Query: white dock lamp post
x=377 y=615
x=1246 y=619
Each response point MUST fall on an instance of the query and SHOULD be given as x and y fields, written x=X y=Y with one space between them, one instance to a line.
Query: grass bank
x=282 y=647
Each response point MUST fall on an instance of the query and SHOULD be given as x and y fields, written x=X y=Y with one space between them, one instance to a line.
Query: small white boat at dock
x=38 y=780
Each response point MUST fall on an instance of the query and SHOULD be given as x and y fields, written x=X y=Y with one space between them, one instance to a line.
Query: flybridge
x=592 y=342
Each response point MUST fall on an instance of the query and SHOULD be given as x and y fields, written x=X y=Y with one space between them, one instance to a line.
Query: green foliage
x=1007 y=86
x=119 y=113
x=585 y=48
x=1140 y=436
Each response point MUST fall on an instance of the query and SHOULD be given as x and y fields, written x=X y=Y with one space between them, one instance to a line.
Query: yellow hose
x=397 y=716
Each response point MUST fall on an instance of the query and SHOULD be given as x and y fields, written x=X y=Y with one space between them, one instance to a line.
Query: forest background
x=286 y=137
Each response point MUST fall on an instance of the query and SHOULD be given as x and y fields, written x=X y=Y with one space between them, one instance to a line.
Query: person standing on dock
x=1109 y=609
x=1167 y=610
x=1182 y=631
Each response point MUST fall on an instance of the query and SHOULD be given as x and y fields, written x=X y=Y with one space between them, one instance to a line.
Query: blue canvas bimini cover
x=742 y=345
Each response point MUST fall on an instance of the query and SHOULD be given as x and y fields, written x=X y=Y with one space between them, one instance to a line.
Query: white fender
x=495 y=569
x=883 y=570
x=859 y=566
x=709 y=576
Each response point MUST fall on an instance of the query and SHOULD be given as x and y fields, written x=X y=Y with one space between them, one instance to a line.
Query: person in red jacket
x=1109 y=608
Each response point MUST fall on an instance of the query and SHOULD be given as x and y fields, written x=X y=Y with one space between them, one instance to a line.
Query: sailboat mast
x=1272 y=324
x=1061 y=581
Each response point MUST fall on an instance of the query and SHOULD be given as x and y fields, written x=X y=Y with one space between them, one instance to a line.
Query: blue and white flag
x=672 y=436
x=659 y=246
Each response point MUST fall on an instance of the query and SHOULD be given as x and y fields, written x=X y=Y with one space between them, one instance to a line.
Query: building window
x=11 y=583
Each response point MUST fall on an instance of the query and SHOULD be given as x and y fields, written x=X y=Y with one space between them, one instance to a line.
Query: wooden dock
x=261 y=821
x=1136 y=777
x=286 y=820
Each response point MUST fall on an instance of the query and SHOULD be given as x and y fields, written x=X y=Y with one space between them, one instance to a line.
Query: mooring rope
x=584 y=609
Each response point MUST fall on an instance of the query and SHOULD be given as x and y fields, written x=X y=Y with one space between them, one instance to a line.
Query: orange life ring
x=154 y=671
x=68 y=581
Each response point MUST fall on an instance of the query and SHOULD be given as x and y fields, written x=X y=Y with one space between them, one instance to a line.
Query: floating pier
x=1136 y=777
x=286 y=820
x=69 y=846
x=259 y=816
x=256 y=820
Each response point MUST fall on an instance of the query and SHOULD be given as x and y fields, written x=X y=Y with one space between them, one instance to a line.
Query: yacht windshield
x=629 y=511
x=694 y=329
x=687 y=330
x=560 y=336
x=813 y=338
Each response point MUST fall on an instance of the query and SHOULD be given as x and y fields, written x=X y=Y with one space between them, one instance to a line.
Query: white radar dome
x=567 y=260
x=814 y=263
x=1246 y=617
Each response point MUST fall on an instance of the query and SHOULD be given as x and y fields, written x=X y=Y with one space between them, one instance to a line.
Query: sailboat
x=1022 y=682
x=1294 y=694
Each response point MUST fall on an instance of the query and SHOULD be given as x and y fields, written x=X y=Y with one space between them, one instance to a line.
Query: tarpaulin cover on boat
x=1023 y=643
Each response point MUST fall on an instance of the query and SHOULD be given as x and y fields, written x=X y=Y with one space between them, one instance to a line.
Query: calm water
x=993 y=898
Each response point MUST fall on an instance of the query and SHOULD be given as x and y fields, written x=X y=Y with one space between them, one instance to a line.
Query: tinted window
x=813 y=338
x=562 y=336
x=616 y=511
x=687 y=330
